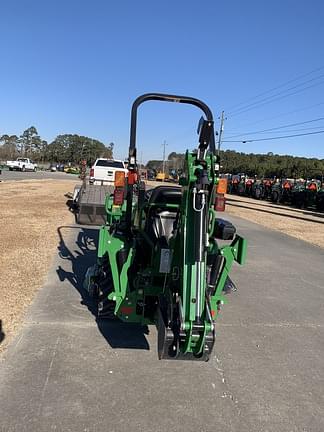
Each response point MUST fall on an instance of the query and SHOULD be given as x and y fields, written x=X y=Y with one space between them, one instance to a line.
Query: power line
x=297 y=130
x=273 y=98
x=274 y=138
x=275 y=128
x=277 y=87
x=283 y=114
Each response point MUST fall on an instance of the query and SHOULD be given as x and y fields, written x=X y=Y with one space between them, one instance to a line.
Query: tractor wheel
x=240 y=189
x=257 y=193
x=320 y=203
x=300 y=201
x=105 y=284
x=275 y=196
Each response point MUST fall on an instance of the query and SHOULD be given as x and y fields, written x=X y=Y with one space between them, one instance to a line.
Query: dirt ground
x=30 y=212
x=303 y=224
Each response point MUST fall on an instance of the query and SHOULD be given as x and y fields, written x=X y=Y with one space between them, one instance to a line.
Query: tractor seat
x=160 y=221
x=166 y=195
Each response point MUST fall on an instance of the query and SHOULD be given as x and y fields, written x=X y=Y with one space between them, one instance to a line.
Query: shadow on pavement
x=2 y=335
x=117 y=333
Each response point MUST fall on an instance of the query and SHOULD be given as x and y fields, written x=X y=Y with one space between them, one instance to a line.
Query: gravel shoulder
x=30 y=213
x=302 y=224
x=67 y=371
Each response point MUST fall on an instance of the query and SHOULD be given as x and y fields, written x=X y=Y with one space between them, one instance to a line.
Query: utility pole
x=221 y=130
x=163 y=166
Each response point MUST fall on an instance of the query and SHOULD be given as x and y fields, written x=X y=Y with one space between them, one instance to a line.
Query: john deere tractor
x=159 y=261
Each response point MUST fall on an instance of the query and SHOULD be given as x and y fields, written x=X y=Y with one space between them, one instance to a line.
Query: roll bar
x=165 y=98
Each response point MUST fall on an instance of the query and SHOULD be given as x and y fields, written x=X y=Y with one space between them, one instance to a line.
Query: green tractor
x=159 y=261
x=308 y=194
x=319 y=200
x=281 y=192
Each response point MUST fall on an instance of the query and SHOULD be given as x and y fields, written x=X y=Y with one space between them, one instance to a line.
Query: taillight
x=91 y=172
x=219 y=202
x=118 y=197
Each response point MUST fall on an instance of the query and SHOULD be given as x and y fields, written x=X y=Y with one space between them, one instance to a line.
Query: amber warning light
x=119 y=179
x=222 y=186
x=221 y=190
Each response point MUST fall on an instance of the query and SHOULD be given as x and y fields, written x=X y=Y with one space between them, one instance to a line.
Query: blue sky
x=76 y=66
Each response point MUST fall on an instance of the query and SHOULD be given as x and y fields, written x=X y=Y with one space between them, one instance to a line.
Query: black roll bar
x=165 y=98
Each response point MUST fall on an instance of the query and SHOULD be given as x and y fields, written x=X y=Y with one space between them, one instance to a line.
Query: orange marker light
x=132 y=177
x=119 y=179
x=222 y=186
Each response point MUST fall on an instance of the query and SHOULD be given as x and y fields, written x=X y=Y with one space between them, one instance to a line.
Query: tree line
x=262 y=165
x=64 y=148
x=271 y=165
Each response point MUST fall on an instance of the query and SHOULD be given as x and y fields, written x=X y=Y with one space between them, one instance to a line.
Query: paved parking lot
x=67 y=372
x=38 y=175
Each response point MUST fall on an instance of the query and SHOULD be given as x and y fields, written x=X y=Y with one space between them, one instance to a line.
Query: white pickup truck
x=103 y=171
x=22 y=164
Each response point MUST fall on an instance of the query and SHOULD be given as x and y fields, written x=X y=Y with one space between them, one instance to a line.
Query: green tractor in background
x=308 y=194
x=281 y=192
x=319 y=199
x=261 y=189
x=159 y=261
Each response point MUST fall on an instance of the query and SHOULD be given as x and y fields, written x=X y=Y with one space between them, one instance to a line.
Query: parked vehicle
x=103 y=171
x=258 y=189
x=244 y=187
x=22 y=164
x=150 y=175
x=261 y=189
x=267 y=185
x=160 y=176
x=319 y=200
x=307 y=194
x=282 y=192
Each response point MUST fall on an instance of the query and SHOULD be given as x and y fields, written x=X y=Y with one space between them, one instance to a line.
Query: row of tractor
x=299 y=193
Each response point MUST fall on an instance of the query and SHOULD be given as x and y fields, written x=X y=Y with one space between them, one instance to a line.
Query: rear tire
x=258 y=193
x=299 y=200
x=275 y=196
x=320 y=203
x=105 y=307
x=240 y=189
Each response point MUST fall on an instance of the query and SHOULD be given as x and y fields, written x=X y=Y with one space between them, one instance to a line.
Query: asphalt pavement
x=38 y=175
x=66 y=372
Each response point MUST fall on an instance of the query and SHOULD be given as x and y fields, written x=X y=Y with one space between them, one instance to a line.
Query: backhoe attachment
x=159 y=258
